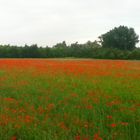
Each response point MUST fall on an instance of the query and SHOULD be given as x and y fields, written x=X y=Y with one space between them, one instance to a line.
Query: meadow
x=50 y=99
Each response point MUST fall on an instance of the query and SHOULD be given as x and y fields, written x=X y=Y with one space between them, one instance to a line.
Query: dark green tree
x=60 y=45
x=121 y=37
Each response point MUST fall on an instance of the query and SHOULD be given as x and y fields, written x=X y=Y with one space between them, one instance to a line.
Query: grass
x=69 y=100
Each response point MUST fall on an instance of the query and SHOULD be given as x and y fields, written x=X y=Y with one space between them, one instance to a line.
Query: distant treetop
x=121 y=37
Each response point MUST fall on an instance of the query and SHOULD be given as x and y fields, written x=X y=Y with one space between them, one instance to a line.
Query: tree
x=121 y=37
x=60 y=45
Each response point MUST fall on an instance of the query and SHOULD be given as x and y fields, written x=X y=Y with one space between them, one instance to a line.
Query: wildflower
x=28 y=119
x=124 y=123
x=50 y=106
x=74 y=95
x=40 y=110
x=63 y=126
x=109 y=117
x=78 y=137
x=13 y=138
x=113 y=125
x=97 y=137
x=17 y=126
x=89 y=107
x=9 y=99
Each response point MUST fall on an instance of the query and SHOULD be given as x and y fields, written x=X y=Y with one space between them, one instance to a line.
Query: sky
x=47 y=22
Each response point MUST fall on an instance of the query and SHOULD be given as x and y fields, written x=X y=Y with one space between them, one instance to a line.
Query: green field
x=69 y=100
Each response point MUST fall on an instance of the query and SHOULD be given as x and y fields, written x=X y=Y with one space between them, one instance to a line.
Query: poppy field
x=65 y=99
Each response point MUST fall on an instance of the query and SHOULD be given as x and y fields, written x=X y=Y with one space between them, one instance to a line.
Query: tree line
x=118 y=43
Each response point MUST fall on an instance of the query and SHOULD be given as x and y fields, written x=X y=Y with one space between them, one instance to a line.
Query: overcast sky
x=47 y=22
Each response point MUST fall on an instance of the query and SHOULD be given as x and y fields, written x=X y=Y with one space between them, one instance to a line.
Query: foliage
x=121 y=37
x=118 y=43
x=87 y=50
